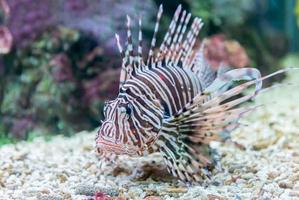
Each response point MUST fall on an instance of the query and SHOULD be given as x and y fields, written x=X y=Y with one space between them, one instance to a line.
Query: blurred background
x=59 y=62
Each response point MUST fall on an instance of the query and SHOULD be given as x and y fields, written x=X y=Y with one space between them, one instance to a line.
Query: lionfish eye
x=126 y=110
x=129 y=110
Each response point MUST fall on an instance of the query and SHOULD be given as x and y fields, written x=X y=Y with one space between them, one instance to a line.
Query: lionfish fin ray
x=179 y=40
x=151 y=56
x=201 y=67
x=211 y=98
x=177 y=47
x=214 y=111
x=185 y=159
x=128 y=68
x=131 y=63
x=140 y=61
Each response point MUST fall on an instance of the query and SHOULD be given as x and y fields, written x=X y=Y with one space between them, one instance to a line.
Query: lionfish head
x=112 y=134
x=128 y=128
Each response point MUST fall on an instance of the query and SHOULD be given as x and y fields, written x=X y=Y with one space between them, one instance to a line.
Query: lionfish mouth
x=105 y=148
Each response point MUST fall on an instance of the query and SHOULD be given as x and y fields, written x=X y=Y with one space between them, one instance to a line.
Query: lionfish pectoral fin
x=210 y=116
x=187 y=160
x=186 y=148
x=224 y=80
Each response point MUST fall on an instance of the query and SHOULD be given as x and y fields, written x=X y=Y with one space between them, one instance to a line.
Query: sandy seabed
x=68 y=168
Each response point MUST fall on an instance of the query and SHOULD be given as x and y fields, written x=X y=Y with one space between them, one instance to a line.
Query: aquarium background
x=59 y=62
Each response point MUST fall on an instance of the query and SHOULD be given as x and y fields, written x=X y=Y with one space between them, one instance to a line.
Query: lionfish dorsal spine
x=171 y=52
x=130 y=51
x=154 y=38
x=139 y=50
x=128 y=68
x=199 y=57
x=167 y=38
x=190 y=41
x=176 y=46
x=179 y=36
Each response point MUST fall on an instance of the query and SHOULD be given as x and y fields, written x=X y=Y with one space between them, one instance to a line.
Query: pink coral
x=230 y=52
x=101 y=196
x=5 y=40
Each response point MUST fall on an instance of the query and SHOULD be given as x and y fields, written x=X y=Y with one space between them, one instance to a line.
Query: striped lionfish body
x=173 y=102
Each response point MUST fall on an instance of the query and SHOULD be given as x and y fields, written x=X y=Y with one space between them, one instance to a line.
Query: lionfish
x=173 y=102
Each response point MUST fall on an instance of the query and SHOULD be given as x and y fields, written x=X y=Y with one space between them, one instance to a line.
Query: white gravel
x=68 y=168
